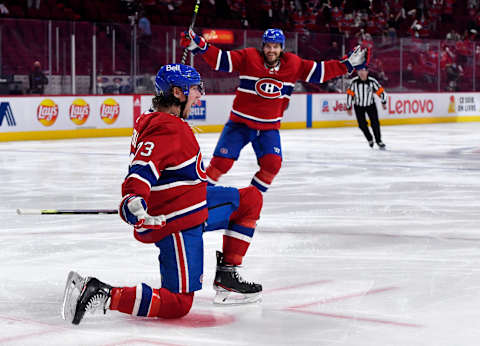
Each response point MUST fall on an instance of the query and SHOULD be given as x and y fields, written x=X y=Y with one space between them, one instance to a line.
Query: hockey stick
x=194 y=18
x=65 y=211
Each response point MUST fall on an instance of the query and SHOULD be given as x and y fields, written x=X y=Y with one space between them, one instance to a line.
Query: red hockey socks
x=269 y=167
x=218 y=166
x=242 y=225
x=142 y=300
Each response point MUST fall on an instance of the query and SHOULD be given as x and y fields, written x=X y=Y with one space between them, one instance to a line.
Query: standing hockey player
x=166 y=199
x=360 y=94
x=267 y=78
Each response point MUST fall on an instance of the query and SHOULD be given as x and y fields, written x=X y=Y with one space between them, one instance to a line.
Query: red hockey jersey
x=264 y=93
x=166 y=169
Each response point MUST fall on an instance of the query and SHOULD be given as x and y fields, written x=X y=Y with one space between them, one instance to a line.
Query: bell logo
x=6 y=113
x=173 y=68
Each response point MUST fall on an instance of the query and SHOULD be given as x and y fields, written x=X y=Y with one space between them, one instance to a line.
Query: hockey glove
x=133 y=210
x=357 y=59
x=193 y=42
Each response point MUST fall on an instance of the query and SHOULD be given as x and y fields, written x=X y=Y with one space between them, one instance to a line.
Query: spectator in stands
x=144 y=37
x=435 y=12
x=453 y=70
x=37 y=79
x=336 y=13
x=472 y=3
x=409 y=77
x=447 y=14
x=346 y=24
x=472 y=20
x=365 y=39
x=3 y=9
x=145 y=30
x=31 y=2
x=236 y=8
x=415 y=29
x=244 y=20
x=169 y=4
x=464 y=48
x=392 y=27
x=377 y=71
x=453 y=35
x=334 y=51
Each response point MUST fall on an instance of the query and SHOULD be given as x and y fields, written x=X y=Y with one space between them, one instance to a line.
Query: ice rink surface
x=354 y=247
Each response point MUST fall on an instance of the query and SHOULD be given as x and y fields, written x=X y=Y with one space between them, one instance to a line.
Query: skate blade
x=224 y=297
x=73 y=288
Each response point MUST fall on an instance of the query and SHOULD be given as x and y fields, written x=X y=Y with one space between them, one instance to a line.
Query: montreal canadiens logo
x=269 y=88
x=201 y=172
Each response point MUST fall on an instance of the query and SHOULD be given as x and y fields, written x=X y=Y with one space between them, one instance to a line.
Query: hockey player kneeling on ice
x=166 y=199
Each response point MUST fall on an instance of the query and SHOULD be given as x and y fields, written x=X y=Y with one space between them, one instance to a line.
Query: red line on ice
x=352 y=295
x=365 y=319
x=297 y=286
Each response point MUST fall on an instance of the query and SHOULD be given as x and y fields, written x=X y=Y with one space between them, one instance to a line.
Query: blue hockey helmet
x=274 y=36
x=182 y=76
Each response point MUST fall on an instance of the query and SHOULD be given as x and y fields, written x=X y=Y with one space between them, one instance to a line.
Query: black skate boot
x=231 y=288
x=381 y=145
x=82 y=295
x=370 y=143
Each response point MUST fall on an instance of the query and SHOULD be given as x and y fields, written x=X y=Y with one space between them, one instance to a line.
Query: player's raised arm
x=322 y=71
x=216 y=58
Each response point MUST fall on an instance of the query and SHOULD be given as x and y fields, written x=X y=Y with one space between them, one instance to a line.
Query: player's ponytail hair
x=165 y=100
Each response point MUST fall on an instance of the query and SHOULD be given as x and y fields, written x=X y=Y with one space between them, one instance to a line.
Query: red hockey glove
x=193 y=42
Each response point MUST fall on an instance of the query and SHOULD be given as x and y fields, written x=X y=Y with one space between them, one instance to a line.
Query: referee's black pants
x=362 y=121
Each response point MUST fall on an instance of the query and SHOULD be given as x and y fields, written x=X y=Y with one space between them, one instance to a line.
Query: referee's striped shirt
x=361 y=92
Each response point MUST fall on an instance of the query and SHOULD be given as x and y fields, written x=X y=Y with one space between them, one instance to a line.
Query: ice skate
x=73 y=287
x=82 y=295
x=231 y=288
x=381 y=145
x=370 y=143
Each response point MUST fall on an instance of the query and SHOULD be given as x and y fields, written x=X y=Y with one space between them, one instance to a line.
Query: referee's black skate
x=381 y=145
x=231 y=288
x=370 y=143
x=82 y=295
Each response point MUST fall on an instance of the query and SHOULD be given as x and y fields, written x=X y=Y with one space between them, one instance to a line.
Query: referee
x=360 y=93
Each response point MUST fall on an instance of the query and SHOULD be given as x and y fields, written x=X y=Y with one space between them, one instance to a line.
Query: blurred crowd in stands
x=391 y=18
x=454 y=23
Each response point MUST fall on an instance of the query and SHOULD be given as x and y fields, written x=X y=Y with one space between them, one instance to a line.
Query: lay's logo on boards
x=79 y=111
x=7 y=114
x=269 y=88
x=47 y=112
x=109 y=111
